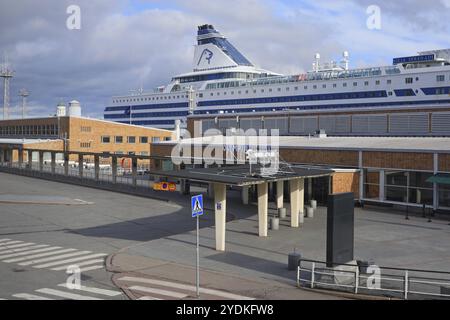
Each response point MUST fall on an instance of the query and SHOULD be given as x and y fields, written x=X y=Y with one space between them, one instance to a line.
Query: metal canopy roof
x=240 y=175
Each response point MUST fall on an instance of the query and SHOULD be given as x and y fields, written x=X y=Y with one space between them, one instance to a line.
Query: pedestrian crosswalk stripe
x=19 y=245
x=11 y=255
x=148 y=298
x=3 y=240
x=91 y=268
x=166 y=293
x=27 y=296
x=38 y=255
x=67 y=295
x=23 y=249
x=185 y=287
x=105 y=292
x=79 y=264
x=10 y=242
x=70 y=260
x=53 y=258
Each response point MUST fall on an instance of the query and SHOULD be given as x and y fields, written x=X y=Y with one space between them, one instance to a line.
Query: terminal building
x=385 y=169
x=73 y=133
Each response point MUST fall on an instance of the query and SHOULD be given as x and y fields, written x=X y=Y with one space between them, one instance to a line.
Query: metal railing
x=374 y=280
x=123 y=178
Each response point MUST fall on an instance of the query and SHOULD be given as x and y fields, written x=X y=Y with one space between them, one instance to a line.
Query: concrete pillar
x=30 y=159
x=263 y=205
x=41 y=161
x=20 y=152
x=10 y=157
x=210 y=191
x=53 y=165
x=271 y=192
x=97 y=167
x=301 y=199
x=280 y=194
x=80 y=165
x=114 y=169
x=185 y=187
x=245 y=195
x=361 y=176
x=134 y=165
x=220 y=204
x=182 y=186
x=382 y=181
x=66 y=163
x=435 y=186
x=295 y=206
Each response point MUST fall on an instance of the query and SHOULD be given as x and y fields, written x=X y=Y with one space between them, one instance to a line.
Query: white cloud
x=119 y=49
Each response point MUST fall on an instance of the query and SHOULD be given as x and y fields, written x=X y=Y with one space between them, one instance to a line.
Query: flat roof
x=84 y=118
x=393 y=144
x=25 y=141
x=240 y=175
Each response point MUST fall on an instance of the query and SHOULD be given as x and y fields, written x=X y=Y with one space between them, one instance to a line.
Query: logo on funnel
x=207 y=55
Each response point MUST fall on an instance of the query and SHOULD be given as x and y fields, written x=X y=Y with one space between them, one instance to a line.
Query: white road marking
x=3 y=240
x=105 y=292
x=186 y=287
x=10 y=242
x=67 y=295
x=166 y=293
x=24 y=249
x=91 y=268
x=28 y=252
x=51 y=264
x=53 y=258
x=19 y=245
x=81 y=264
x=38 y=255
x=27 y=296
x=148 y=298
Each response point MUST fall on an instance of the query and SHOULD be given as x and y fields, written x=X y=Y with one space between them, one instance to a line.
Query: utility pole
x=6 y=73
x=24 y=94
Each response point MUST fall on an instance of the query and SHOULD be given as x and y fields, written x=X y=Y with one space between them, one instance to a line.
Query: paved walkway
x=152 y=279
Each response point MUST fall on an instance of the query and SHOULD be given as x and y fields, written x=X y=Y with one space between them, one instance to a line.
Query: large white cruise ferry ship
x=224 y=81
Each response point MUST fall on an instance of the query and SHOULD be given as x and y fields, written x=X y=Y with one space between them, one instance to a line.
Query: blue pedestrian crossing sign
x=197 y=205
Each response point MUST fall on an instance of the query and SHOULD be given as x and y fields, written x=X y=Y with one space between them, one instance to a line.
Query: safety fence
x=141 y=185
x=372 y=280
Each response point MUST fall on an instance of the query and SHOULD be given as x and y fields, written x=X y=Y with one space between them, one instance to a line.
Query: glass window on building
x=143 y=139
x=420 y=191
x=119 y=139
x=408 y=187
x=106 y=139
x=131 y=139
x=396 y=186
x=156 y=139
x=444 y=195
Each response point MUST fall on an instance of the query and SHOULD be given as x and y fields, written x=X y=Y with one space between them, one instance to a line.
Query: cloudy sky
x=125 y=44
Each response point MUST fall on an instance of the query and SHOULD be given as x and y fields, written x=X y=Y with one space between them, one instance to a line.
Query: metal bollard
x=275 y=224
x=293 y=260
x=282 y=213
x=309 y=212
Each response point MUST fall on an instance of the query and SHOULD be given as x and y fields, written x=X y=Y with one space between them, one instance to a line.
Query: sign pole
x=197 y=211
x=198 y=259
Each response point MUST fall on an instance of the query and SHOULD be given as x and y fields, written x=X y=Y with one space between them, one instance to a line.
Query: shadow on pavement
x=254 y=263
